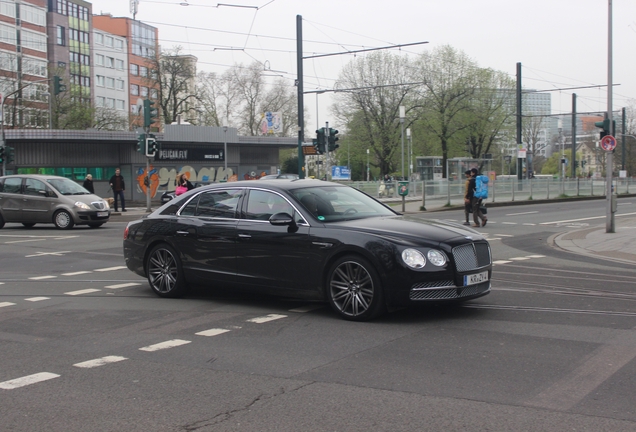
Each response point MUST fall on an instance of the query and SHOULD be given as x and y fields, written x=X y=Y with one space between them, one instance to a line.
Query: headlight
x=106 y=206
x=436 y=258
x=82 y=205
x=413 y=258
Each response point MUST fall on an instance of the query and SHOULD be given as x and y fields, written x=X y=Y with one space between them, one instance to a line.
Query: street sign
x=608 y=143
x=309 y=150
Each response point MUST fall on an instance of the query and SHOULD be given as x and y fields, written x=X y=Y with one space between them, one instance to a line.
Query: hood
x=411 y=228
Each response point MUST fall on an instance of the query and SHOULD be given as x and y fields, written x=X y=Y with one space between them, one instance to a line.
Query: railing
x=499 y=190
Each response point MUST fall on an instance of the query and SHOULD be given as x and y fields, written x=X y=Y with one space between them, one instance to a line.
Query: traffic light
x=151 y=146
x=9 y=154
x=319 y=149
x=319 y=143
x=605 y=125
x=2 y=154
x=141 y=143
x=576 y=164
x=332 y=139
x=58 y=85
x=150 y=114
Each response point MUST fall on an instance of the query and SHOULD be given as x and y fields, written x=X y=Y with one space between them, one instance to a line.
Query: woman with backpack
x=474 y=197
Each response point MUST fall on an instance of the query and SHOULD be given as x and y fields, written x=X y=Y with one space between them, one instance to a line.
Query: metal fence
x=452 y=192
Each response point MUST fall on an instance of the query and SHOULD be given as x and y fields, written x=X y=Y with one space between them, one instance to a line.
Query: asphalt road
x=85 y=345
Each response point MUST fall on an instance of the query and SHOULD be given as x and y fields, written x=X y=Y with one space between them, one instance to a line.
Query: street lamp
x=402 y=116
x=410 y=152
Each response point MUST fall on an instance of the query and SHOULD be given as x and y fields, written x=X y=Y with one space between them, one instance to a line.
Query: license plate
x=475 y=278
x=102 y=214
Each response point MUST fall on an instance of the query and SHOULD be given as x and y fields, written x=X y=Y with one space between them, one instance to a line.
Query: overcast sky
x=560 y=43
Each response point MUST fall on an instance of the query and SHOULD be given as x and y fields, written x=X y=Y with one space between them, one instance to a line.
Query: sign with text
x=340 y=173
x=174 y=154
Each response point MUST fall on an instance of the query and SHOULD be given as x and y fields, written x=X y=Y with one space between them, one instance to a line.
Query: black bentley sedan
x=307 y=239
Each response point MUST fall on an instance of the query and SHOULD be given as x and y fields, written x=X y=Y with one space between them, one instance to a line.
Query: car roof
x=285 y=184
x=35 y=176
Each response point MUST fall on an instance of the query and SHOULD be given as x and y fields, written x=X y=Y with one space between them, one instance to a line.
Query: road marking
x=524 y=213
x=529 y=224
x=584 y=219
x=110 y=269
x=76 y=273
x=519 y=259
x=5 y=304
x=307 y=308
x=24 y=241
x=164 y=345
x=124 y=285
x=504 y=235
x=39 y=254
x=509 y=223
x=27 y=380
x=501 y=262
x=267 y=318
x=536 y=256
x=42 y=277
x=212 y=332
x=35 y=299
x=84 y=291
x=99 y=362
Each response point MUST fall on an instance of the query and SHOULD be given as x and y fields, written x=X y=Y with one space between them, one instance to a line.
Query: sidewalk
x=619 y=246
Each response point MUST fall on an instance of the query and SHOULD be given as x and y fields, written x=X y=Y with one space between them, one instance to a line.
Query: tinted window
x=218 y=203
x=261 y=205
x=33 y=187
x=12 y=185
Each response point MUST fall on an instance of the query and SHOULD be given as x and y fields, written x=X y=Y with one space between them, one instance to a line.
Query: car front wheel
x=165 y=273
x=354 y=290
x=63 y=220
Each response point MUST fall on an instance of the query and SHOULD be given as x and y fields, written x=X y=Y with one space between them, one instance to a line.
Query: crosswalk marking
x=24 y=241
x=84 y=291
x=501 y=262
x=5 y=304
x=164 y=345
x=27 y=380
x=212 y=332
x=42 y=277
x=36 y=299
x=76 y=273
x=123 y=285
x=267 y=318
x=110 y=269
x=99 y=362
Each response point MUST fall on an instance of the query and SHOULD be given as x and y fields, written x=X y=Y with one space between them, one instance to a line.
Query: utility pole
x=609 y=198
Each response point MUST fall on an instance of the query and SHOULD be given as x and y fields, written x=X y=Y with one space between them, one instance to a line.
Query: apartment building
x=143 y=51
x=70 y=46
x=23 y=63
x=110 y=66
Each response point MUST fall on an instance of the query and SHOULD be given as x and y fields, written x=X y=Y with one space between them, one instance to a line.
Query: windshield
x=67 y=187
x=337 y=203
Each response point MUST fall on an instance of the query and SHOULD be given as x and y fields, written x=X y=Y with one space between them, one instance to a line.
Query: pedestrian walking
x=118 y=186
x=467 y=204
x=88 y=183
x=478 y=218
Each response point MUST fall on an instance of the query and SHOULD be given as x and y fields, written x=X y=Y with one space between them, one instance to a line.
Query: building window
x=134 y=69
x=33 y=15
x=99 y=101
x=99 y=39
x=144 y=91
x=134 y=89
x=119 y=44
x=120 y=64
x=7 y=9
x=34 y=41
x=121 y=105
x=143 y=71
x=7 y=34
x=110 y=83
x=110 y=62
x=61 y=35
x=120 y=85
x=100 y=80
x=154 y=94
x=99 y=60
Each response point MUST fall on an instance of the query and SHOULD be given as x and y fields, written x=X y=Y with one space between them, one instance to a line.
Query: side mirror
x=281 y=219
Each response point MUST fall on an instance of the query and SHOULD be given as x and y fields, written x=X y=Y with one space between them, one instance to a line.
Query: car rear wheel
x=63 y=220
x=28 y=225
x=354 y=290
x=165 y=272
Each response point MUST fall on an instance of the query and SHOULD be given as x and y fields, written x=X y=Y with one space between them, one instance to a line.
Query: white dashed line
x=529 y=224
x=501 y=262
x=75 y=273
x=42 y=277
x=24 y=241
x=36 y=299
x=124 y=285
x=99 y=362
x=84 y=291
x=5 y=304
x=536 y=256
x=519 y=259
x=267 y=318
x=110 y=269
x=164 y=345
x=27 y=380
x=212 y=332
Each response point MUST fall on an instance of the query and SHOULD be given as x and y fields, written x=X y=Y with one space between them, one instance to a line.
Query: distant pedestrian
x=118 y=186
x=88 y=183
x=474 y=201
x=467 y=204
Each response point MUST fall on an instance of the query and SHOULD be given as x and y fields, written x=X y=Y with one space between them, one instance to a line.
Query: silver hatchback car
x=29 y=199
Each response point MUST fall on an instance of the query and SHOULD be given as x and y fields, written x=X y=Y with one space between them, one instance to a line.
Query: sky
x=561 y=44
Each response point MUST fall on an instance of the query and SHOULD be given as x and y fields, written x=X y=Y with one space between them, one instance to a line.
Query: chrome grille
x=99 y=205
x=471 y=256
x=450 y=293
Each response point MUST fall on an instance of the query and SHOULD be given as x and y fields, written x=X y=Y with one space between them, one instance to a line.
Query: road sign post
x=608 y=143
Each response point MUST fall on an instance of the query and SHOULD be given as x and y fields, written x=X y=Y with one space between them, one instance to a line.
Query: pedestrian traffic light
x=58 y=85
x=332 y=139
x=141 y=143
x=9 y=154
x=605 y=125
x=152 y=146
x=320 y=140
x=150 y=114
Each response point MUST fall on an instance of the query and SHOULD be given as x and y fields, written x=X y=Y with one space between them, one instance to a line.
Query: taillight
x=126 y=233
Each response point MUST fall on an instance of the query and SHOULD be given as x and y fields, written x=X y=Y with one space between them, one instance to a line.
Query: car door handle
x=247 y=236
x=183 y=233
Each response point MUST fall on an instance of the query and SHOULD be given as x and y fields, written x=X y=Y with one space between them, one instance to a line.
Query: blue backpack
x=481 y=187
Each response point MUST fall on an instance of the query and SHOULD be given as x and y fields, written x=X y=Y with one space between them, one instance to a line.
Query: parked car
x=309 y=239
x=279 y=176
x=30 y=199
